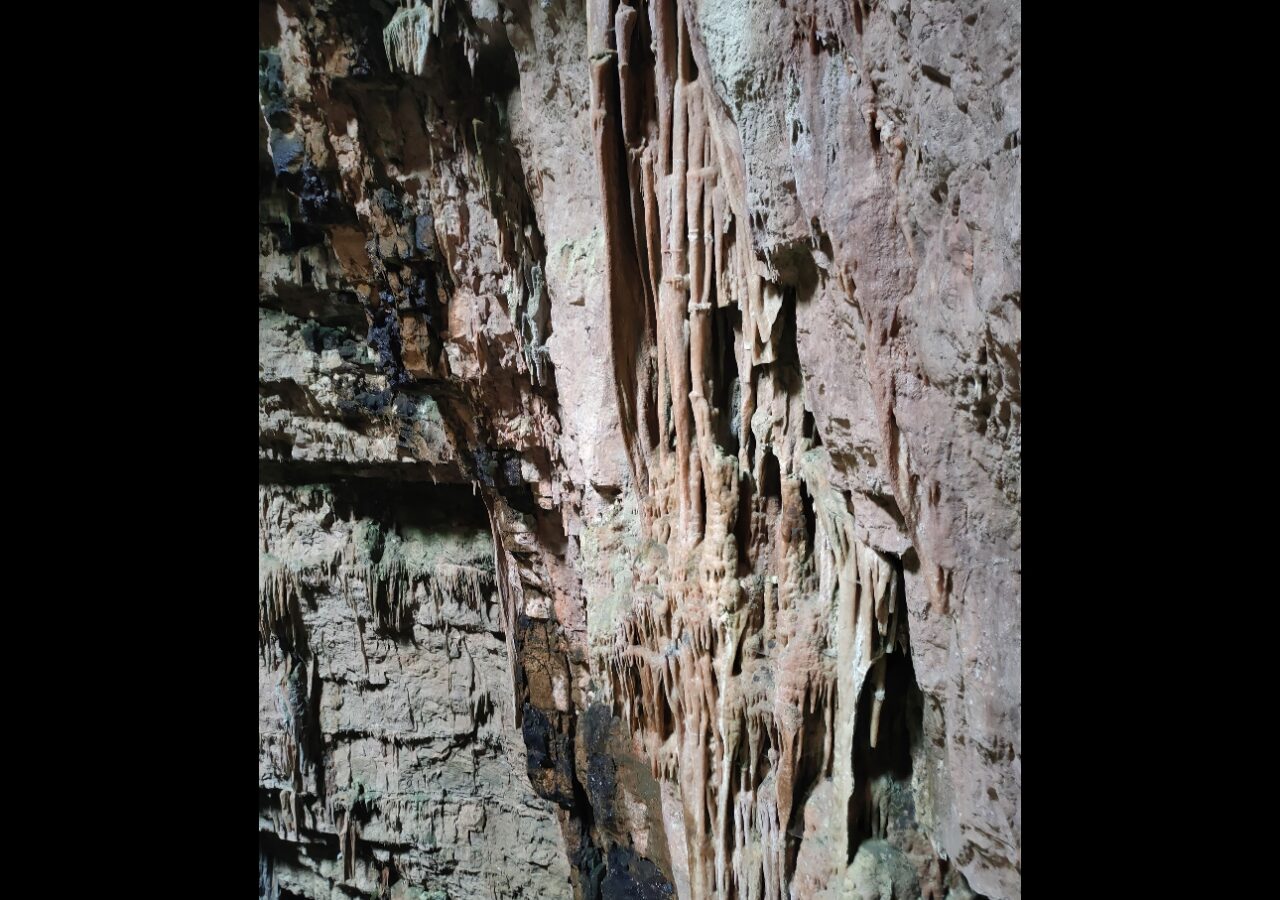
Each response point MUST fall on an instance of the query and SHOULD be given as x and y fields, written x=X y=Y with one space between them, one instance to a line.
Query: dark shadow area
x=882 y=774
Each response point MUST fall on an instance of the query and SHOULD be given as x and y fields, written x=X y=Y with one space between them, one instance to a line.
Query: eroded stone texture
x=387 y=759
x=714 y=310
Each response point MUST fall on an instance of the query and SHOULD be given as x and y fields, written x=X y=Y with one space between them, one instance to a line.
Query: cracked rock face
x=383 y=688
x=640 y=449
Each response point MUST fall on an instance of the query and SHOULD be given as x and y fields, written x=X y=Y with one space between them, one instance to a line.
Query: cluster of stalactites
x=293 y=749
x=740 y=679
x=656 y=673
x=675 y=255
x=408 y=36
x=744 y=729
x=866 y=590
x=737 y=695
x=280 y=624
x=393 y=589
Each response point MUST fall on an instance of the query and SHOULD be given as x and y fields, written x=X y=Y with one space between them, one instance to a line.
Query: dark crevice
x=808 y=774
x=726 y=387
x=882 y=799
x=935 y=75
x=742 y=525
x=771 y=484
x=810 y=520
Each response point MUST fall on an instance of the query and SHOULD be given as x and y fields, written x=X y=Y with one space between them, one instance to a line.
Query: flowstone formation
x=640 y=449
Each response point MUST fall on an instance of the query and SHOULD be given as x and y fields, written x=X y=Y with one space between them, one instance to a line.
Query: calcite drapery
x=716 y=308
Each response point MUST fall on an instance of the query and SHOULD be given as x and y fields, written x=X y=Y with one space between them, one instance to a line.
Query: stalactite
x=878 y=700
x=624 y=25
x=280 y=613
x=672 y=305
x=348 y=835
x=695 y=675
x=627 y=302
x=407 y=37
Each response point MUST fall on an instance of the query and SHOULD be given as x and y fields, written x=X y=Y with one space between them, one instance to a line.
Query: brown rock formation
x=640 y=449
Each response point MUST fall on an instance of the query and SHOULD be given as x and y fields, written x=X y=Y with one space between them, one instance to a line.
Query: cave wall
x=702 y=320
x=386 y=759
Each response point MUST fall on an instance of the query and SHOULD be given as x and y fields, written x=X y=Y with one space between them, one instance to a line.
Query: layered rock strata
x=640 y=449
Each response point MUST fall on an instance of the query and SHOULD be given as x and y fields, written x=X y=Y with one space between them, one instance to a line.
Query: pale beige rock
x=419 y=763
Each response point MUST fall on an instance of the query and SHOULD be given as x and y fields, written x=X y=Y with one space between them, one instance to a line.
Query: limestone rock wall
x=702 y=320
x=387 y=762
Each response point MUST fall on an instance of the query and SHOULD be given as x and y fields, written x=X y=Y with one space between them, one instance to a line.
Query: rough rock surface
x=640 y=449
x=383 y=688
